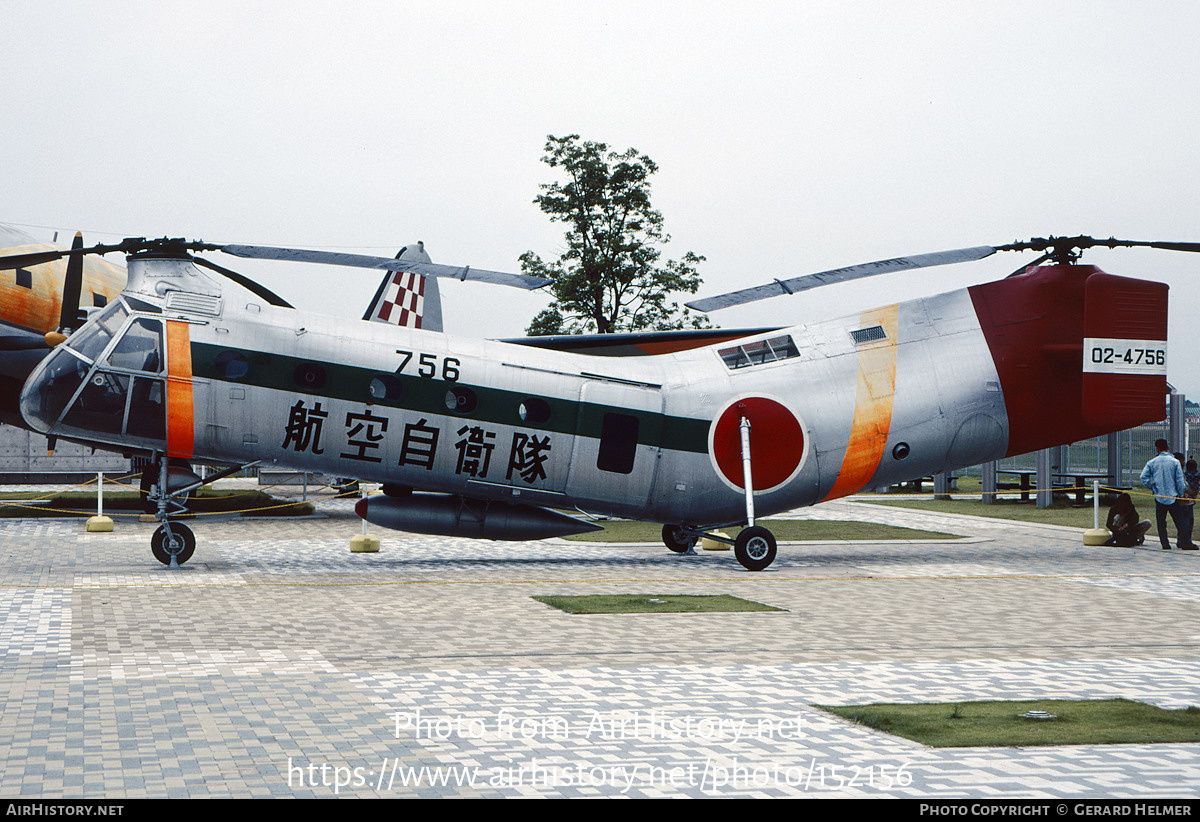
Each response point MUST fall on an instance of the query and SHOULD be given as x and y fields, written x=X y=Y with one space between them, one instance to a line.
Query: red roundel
x=776 y=442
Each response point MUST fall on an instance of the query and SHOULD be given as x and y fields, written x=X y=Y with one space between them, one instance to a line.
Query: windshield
x=107 y=380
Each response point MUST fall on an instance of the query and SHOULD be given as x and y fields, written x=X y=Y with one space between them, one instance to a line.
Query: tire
x=183 y=539
x=676 y=541
x=755 y=548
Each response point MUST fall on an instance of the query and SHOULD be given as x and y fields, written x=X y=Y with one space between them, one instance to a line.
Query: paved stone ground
x=276 y=663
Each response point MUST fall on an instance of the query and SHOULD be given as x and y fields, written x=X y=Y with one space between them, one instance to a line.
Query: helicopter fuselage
x=198 y=368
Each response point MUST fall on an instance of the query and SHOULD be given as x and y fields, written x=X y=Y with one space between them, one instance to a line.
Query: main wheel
x=182 y=541
x=679 y=541
x=754 y=548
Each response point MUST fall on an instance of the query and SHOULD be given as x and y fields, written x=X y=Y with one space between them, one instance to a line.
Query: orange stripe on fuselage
x=872 y=405
x=180 y=420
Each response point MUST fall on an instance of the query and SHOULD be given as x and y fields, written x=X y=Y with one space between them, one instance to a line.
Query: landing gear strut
x=174 y=543
x=754 y=546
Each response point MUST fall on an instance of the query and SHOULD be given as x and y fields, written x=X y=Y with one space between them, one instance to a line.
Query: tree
x=609 y=278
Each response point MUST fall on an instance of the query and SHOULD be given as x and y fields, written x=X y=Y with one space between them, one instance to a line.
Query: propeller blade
x=127 y=246
x=839 y=275
x=68 y=317
x=259 y=252
x=17 y=342
x=26 y=260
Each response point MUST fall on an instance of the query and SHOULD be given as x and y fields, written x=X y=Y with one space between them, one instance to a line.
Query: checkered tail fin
x=406 y=299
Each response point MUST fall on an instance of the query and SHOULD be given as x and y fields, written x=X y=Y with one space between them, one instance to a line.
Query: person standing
x=1163 y=475
x=1188 y=501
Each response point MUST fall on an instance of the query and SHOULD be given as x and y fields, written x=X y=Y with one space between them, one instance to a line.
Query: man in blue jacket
x=1163 y=475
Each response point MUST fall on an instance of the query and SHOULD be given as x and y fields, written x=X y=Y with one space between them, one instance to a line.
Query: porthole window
x=385 y=388
x=232 y=365
x=533 y=411
x=309 y=375
x=900 y=451
x=461 y=400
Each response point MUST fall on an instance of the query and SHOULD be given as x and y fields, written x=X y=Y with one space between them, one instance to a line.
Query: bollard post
x=99 y=523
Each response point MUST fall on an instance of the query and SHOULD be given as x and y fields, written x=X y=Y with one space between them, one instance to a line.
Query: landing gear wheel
x=675 y=538
x=181 y=540
x=754 y=548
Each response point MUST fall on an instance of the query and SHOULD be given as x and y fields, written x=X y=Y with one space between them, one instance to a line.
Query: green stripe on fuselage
x=427 y=395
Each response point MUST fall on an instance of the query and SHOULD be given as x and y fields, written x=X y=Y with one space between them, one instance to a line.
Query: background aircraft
x=494 y=437
x=41 y=302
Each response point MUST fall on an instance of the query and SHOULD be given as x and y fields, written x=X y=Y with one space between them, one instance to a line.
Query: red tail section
x=1079 y=352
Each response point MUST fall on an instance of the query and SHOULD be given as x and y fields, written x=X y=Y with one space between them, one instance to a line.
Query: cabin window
x=385 y=388
x=533 y=410
x=309 y=376
x=759 y=352
x=461 y=400
x=232 y=365
x=618 y=443
x=24 y=278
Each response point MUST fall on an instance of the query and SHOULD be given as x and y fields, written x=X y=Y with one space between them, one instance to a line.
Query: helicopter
x=496 y=440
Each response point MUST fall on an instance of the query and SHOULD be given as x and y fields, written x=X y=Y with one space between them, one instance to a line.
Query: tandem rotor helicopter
x=495 y=439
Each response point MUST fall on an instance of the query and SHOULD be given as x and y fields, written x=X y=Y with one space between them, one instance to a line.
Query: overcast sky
x=792 y=137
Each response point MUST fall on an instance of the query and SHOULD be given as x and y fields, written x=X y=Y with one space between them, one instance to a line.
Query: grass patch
x=785 y=530
x=1061 y=512
x=207 y=501
x=652 y=604
x=1000 y=724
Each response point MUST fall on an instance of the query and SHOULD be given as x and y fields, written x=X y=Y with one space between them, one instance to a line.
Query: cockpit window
x=101 y=404
x=82 y=390
x=140 y=349
x=59 y=382
x=91 y=340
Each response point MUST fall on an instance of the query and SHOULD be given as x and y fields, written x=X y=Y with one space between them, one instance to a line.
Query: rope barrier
x=1057 y=489
x=130 y=515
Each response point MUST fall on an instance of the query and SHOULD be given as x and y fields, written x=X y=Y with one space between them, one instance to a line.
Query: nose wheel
x=173 y=543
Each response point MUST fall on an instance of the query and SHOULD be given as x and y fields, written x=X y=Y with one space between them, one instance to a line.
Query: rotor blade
x=128 y=245
x=839 y=275
x=259 y=252
x=1172 y=246
x=68 y=317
